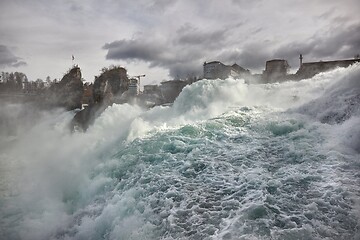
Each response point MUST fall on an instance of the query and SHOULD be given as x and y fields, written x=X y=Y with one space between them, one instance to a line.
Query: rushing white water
x=227 y=161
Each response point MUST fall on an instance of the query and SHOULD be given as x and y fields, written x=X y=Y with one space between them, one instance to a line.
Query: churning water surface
x=226 y=161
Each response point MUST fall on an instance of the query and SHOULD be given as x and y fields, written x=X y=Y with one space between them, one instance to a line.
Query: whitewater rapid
x=227 y=161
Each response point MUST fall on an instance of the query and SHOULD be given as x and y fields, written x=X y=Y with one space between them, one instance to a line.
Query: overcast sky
x=167 y=39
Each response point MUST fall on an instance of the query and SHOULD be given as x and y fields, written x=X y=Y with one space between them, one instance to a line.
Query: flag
x=72 y=57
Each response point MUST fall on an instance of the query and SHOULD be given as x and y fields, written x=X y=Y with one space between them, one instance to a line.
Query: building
x=134 y=87
x=275 y=70
x=151 y=89
x=151 y=96
x=310 y=69
x=216 y=69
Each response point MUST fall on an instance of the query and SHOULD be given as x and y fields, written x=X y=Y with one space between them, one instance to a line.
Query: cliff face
x=69 y=91
x=110 y=83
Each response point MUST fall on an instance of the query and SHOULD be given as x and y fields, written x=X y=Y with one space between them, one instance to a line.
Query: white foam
x=67 y=185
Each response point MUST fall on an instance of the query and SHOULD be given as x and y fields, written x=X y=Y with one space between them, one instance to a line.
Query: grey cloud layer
x=186 y=51
x=340 y=42
x=178 y=36
x=157 y=53
x=133 y=50
x=8 y=59
x=182 y=54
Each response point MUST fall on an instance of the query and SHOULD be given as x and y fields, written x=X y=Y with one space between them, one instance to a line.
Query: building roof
x=276 y=60
x=212 y=62
x=172 y=82
x=334 y=61
x=238 y=68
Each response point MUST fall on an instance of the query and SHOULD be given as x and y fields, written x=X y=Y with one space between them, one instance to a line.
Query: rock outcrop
x=84 y=118
x=106 y=90
x=110 y=85
x=68 y=93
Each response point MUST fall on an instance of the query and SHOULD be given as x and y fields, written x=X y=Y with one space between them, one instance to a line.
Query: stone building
x=275 y=70
x=150 y=89
x=151 y=96
x=310 y=69
x=134 y=87
x=216 y=69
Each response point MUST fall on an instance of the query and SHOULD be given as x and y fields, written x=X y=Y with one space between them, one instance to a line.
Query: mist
x=58 y=184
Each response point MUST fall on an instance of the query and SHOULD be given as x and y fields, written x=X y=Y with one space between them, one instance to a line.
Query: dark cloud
x=182 y=54
x=186 y=69
x=292 y=50
x=133 y=50
x=339 y=42
x=193 y=36
x=342 y=42
x=177 y=36
x=8 y=59
x=180 y=63
x=236 y=31
x=251 y=56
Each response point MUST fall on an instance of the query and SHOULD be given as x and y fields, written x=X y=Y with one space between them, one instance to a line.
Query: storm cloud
x=8 y=59
x=161 y=53
x=339 y=41
x=133 y=50
x=189 y=35
x=182 y=54
x=239 y=37
x=163 y=38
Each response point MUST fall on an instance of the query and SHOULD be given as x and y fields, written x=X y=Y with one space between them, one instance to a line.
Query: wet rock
x=107 y=89
x=84 y=118
x=110 y=85
x=68 y=92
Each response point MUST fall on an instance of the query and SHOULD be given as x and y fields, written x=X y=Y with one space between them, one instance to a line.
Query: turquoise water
x=226 y=161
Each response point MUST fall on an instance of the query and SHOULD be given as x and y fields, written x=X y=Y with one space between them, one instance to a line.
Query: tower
x=301 y=59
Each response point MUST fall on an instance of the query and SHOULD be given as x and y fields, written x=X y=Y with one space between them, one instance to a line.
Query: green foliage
x=111 y=67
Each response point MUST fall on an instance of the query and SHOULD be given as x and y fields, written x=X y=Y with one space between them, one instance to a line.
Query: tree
x=48 y=80
x=20 y=79
x=39 y=84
